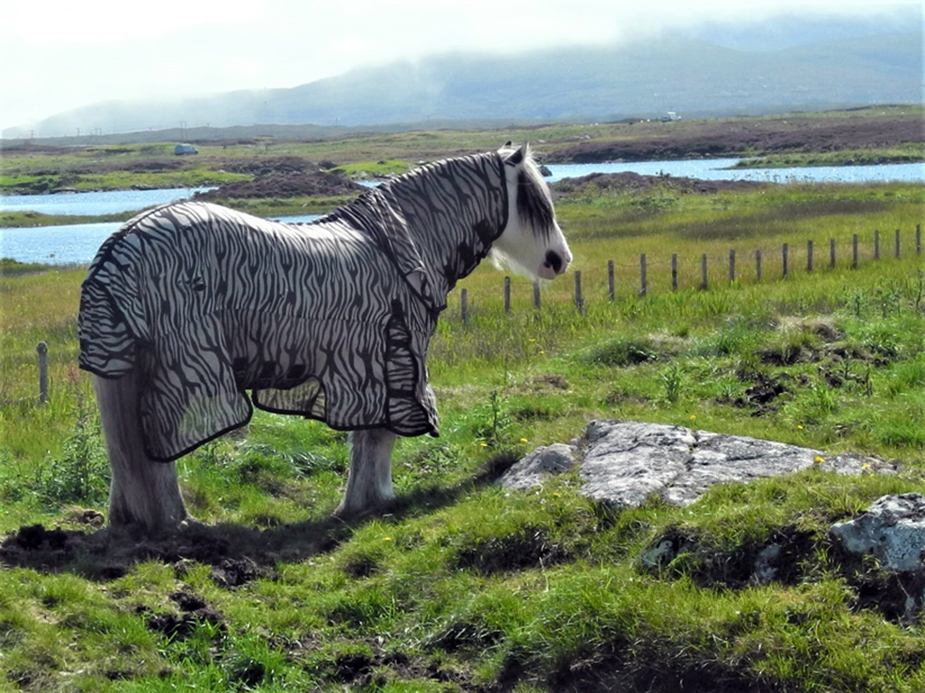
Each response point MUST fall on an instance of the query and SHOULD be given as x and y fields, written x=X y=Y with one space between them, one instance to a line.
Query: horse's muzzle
x=554 y=264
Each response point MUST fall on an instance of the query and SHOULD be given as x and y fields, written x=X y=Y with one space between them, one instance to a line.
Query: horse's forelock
x=534 y=205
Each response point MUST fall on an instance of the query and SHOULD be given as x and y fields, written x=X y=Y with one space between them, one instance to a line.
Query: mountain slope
x=673 y=73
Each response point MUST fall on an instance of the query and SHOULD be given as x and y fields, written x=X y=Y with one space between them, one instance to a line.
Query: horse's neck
x=459 y=229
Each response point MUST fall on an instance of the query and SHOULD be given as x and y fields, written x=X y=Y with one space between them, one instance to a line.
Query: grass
x=27 y=169
x=465 y=586
x=29 y=219
x=911 y=154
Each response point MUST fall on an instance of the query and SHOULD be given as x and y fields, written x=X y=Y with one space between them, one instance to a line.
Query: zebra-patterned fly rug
x=330 y=320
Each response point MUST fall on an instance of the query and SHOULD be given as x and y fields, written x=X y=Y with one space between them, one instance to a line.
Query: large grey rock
x=892 y=529
x=625 y=462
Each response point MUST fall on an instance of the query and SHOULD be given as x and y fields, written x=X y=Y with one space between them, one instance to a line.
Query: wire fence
x=674 y=272
x=671 y=274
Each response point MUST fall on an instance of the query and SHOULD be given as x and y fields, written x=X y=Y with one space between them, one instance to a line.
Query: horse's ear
x=517 y=157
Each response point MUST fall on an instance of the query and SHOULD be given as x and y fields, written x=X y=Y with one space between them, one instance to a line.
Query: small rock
x=658 y=556
x=892 y=529
x=765 y=569
x=533 y=469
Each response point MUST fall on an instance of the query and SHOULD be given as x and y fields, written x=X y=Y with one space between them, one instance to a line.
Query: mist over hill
x=693 y=76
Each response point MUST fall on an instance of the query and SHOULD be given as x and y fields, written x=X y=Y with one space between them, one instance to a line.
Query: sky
x=60 y=54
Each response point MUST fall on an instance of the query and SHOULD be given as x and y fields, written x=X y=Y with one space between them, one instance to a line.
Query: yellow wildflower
x=818 y=460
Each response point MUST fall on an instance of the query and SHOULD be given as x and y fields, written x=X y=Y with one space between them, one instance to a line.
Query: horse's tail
x=143 y=491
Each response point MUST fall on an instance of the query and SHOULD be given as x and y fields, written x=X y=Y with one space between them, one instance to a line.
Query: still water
x=95 y=203
x=720 y=169
x=78 y=243
x=69 y=244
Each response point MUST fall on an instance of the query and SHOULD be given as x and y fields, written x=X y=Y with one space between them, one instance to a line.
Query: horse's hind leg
x=369 y=482
x=143 y=492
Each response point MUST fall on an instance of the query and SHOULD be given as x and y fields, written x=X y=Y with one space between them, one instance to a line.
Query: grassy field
x=32 y=168
x=465 y=586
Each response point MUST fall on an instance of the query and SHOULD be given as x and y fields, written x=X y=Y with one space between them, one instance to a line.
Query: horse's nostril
x=553 y=260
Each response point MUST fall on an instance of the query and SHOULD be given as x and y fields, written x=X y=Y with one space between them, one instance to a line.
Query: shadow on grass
x=236 y=553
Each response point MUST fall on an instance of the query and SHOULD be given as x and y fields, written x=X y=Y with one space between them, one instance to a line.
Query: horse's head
x=532 y=243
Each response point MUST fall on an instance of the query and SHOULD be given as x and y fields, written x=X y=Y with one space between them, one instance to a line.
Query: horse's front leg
x=369 y=482
x=143 y=492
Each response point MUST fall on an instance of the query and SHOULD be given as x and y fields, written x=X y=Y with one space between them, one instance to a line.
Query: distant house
x=670 y=117
x=182 y=149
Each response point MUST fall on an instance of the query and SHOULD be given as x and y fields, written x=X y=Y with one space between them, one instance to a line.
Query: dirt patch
x=737 y=137
x=285 y=185
x=158 y=165
x=372 y=670
x=234 y=572
x=237 y=554
x=526 y=548
x=897 y=596
x=550 y=380
x=761 y=397
x=634 y=182
x=463 y=635
x=780 y=558
x=187 y=601
x=267 y=166
x=180 y=626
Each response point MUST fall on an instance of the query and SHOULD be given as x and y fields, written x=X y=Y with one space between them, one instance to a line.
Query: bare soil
x=766 y=136
x=237 y=555
x=634 y=182
x=285 y=185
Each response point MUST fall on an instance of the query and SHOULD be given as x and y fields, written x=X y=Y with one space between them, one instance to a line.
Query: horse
x=189 y=305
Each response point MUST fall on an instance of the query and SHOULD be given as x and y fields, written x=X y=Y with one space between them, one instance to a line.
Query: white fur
x=143 y=492
x=521 y=249
x=369 y=481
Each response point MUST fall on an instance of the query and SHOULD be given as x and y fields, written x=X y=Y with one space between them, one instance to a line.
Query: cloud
x=69 y=54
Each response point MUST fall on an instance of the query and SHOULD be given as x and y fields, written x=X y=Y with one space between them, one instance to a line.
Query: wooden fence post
x=732 y=266
x=854 y=251
x=507 y=295
x=758 y=265
x=918 y=239
x=785 y=254
x=674 y=271
x=464 y=306
x=642 y=275
x=579 y=301
x=876 y=245
x=703 y=272
x=610 y=283
x=897 y=243
x=831 y=253
x=536 y=295
x=42 y=349
x=809 y=256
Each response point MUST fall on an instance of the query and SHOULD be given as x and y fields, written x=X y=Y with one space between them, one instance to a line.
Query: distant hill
x=690 y=76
